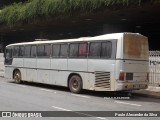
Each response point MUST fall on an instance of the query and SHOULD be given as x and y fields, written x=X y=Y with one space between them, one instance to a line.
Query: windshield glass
x=135 y=47
x=8 y=53
x=8 y=56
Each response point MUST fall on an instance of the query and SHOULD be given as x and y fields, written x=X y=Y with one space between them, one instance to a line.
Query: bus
x=109 y=62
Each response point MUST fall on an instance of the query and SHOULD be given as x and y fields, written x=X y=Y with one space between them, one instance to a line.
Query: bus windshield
x=135 y=47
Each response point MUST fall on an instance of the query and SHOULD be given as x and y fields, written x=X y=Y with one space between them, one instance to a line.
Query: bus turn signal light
x=121 y=76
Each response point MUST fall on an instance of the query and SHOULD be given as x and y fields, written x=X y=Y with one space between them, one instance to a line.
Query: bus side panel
x=30 y=72
x=89 y=83
x=59 y=71
x=79 y=65
x=18 y=62
x=43 y=68
x=59 y=78
x=9 y=73
x=103 y=76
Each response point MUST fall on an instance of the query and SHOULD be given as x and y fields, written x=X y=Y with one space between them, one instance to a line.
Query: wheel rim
x=75 y=84
x=17 y=77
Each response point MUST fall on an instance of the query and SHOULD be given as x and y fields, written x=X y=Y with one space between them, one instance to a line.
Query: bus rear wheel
x=17 y=77
x=75 y=84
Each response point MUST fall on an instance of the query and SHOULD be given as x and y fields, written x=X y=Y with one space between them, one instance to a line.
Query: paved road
x=39 y=97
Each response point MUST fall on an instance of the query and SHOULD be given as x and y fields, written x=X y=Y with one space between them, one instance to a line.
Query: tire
x=17 y=77
x=75 y=84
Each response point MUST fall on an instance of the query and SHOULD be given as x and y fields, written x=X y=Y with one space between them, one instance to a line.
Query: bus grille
x=102 y=79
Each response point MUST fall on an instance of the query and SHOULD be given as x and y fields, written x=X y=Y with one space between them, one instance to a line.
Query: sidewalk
x=151 y=91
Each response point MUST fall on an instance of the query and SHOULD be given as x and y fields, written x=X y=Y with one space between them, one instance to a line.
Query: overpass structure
x=33 y=19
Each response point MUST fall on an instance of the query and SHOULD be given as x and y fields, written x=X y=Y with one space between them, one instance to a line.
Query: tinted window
x=27 y=51
x=21 y=51
x=73 y=51
x=55 y=50
x=47 y=50
x=40 y=50
x=106 y=49
x=83 y=49
x=16 y=51
x=100 y=49
x=95 y=49
x=64 y=50
x=8 y=56
x=33 y=51
x=8 y=53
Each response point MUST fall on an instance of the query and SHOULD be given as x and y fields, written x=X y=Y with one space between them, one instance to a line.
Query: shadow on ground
x=121 y=95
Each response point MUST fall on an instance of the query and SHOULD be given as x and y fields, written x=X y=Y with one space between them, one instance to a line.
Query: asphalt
x=41 y=97
x=151 y=91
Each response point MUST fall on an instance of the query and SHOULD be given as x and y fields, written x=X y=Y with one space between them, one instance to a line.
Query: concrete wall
x=1 y=65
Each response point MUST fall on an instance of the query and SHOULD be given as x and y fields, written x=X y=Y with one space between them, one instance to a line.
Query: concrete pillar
x=2 y=47
x=1 y=57
x=1 y=65
x=1 y=39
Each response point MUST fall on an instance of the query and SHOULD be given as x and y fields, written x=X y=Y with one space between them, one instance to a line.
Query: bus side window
x=64 y=50
x=47 y=50
x=95 y=49
x=83 y=49
x=8 y=56
x=55 y=50
x=73 y=50
x=40 y=51
x=21 y=51
x=106 y=49
x=15 y=51
x=8 y=53
x=33 y=51
x=27 y=51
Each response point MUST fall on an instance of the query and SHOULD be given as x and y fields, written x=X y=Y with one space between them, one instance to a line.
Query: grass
x=20 y=13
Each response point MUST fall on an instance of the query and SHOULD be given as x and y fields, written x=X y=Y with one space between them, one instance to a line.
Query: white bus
x=110 y=62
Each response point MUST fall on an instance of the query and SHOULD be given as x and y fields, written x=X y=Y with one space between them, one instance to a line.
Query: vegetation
x=8 y=2
x=32 y=10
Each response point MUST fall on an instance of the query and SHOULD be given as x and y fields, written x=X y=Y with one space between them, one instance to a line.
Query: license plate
x=136 y=86
x=130 y=85
x=142 y=85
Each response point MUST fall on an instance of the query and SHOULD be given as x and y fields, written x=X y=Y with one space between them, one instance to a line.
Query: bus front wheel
x=75 y=84
x=17 y=76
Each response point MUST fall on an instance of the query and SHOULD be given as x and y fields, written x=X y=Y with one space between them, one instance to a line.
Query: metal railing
x=154 y=68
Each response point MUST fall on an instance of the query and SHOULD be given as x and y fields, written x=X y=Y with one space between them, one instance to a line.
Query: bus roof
x=112 y=36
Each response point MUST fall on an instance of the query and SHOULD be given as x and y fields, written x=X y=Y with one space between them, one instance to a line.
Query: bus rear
x=132 y=71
